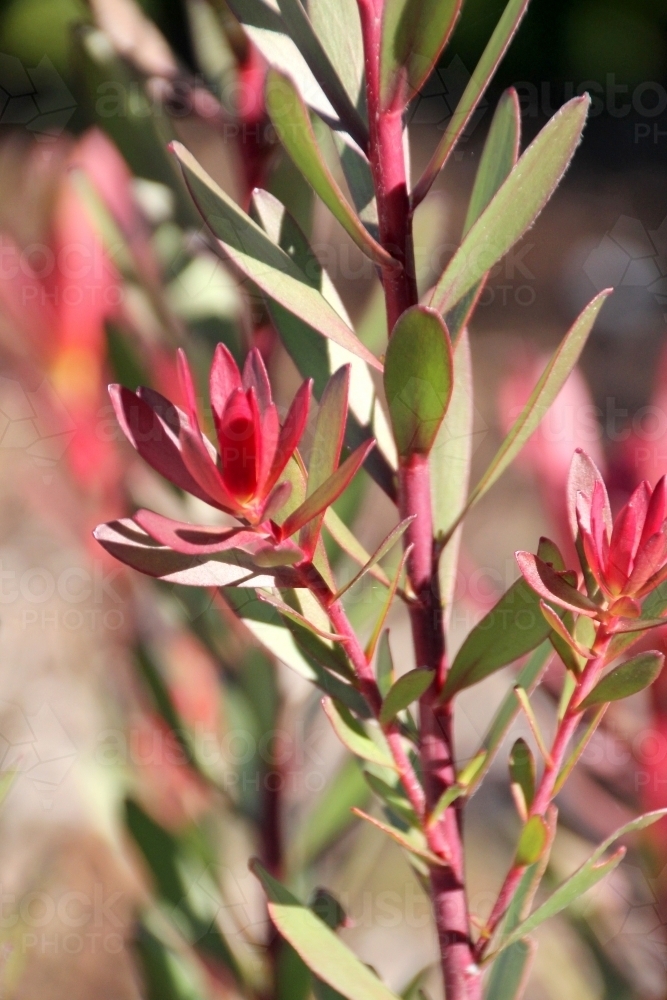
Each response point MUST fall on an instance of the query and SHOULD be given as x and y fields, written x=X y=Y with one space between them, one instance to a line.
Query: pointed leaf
x=449 y=465
x=524 y=701
x=512 y=628
x=384 y=667
x=292 y=123
x=528 y=679
x=522 y=770
x=408 y=688
x=500 y=154
x=394 y=798
x=314 y=52
x=328 y=492
x=250 y=249
x=327 y=444
x=515 y=206
x=391 y=593
x=352 y=735
x=418 y=378
x=383 y=548
x=414 y=34
x=477 y=84
x=348 y=542
x=510 y=971
x=550 y=384
x=559 y=628
x=412 y=840
x=574 y=757
x=589 y=874
x=630 y=677
x=322 y=951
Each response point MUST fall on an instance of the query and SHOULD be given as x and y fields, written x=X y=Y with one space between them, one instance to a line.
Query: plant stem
x=461 y=976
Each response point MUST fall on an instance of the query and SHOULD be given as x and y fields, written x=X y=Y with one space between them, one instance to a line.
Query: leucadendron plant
x=277 y=506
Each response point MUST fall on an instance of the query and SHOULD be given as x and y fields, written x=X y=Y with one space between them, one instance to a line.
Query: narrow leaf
x=528 y=679
x=550 y=384
x=589 y=874
x=418 y=378
x=384 y=667
x=630 y=677
x=270 y=268
x=559 y=627
x=328 y=492
x=414 y=34
x=522 y=771
x=408 y=688
x=352 y=735
x=349 y=543
x=394 y=797
x=574 y=757
x=383 y=548
x=391 y=593
x=319 y=947
x=412 y=841
x=449 y=465
x=477 y=84
x=510 y=971
x=327 y=443
x=292 y=123
x=448 y=797
x=553 y=587
x=524 y=701
x=515 y=206
x=500 y=154
x=314 y=52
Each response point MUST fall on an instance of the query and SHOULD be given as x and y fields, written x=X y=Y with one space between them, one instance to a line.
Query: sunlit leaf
x=414 y=34
x=383 y=548
x=352 y=734
x=522 y=771
x=628 y=678
x=412 y=840
x=515 y=206
x=261 y=260
x=408 y=688
x=292 y=123
x=589 y=874
x=533 y=841
x=319 y=947
x=477 y=84
x=418 y=378
x=384 y=667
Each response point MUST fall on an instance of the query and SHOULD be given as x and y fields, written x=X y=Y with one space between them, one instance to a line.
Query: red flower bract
x=253 y=450
x=628 y=559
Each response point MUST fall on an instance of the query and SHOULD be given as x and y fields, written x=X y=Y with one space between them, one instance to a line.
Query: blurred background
x=151 y=742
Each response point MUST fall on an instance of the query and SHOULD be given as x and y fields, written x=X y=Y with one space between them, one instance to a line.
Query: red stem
x=545 y=790
x=461 y=976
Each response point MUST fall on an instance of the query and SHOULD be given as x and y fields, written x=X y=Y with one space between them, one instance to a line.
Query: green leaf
x=408 y=688
x=528 y=678
x=164 y=855
x=394 y=798
x=266 y=264
x=292 y=123
x=353 y=735
x=512 y=628
x=391 y=593
x=327 y=443
x=582 y=743
x=510 y=971
x=316 y=504
x=551 y=382
x=352 y=547
x=412 y=840
x=418 y=378
x=630 y=677
x=384 y=667
x=329 y=816
x=522 y=771
x=515 y=206
x=500 y=154
x=589 y=874
x=319 y=358
x=315 y=52
x=414 y=33
x=477 y=84
x=532 y=842
x=448 y=797
x=449 y=465
x=322 y=951
x=383 y=548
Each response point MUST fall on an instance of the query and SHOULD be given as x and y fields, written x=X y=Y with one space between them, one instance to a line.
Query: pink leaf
x=552 y=587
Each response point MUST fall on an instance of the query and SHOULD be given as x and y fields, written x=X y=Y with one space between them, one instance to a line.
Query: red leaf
x=552 y=587
x=223 y=379
x=291 y=433
x=255 y=377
